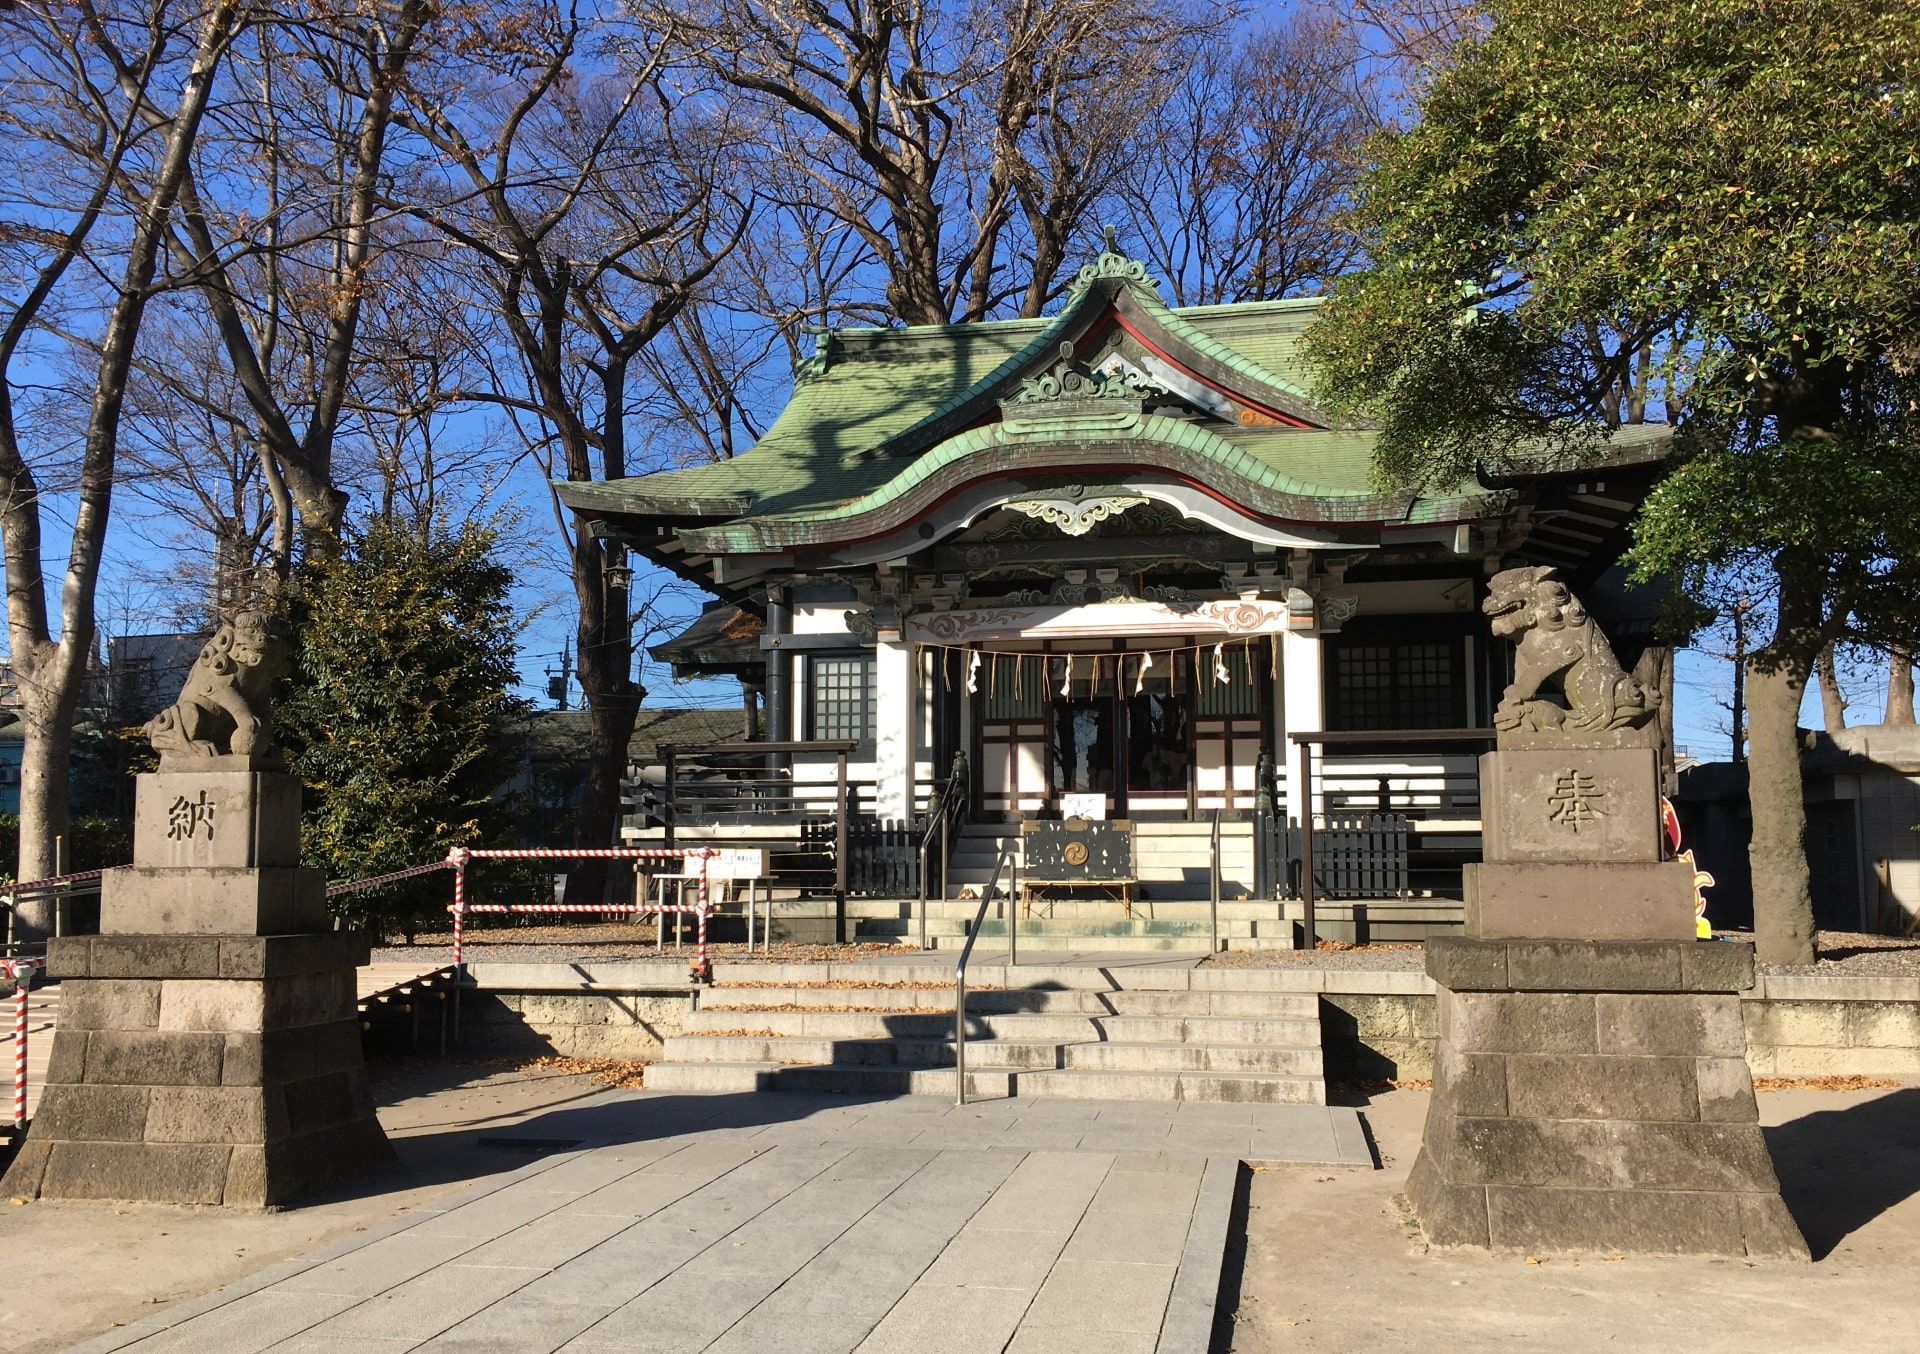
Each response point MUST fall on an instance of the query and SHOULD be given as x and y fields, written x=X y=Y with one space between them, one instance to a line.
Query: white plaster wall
x=1302 y=706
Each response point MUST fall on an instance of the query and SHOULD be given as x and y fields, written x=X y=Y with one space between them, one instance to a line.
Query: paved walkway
x=795 y=1224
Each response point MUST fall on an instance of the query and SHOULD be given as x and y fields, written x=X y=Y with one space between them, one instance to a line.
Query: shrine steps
x=1094 y=1033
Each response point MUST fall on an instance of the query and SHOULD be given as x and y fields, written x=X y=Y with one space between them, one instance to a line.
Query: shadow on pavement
x=478 y=1148
x=1840 y=1169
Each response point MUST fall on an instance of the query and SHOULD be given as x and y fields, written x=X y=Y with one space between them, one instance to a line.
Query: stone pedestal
x=1596 y=1097
x=1573 y=849
x=208 y=1047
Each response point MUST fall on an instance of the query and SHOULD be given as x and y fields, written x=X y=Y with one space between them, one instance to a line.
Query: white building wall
x=1302 y=706
x=895 y=725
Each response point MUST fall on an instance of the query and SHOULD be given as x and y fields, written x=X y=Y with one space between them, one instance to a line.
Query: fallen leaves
x=623 y=1074
x=1829 y=1083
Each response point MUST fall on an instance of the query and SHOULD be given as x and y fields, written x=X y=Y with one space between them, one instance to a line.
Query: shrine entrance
x=1136 y=729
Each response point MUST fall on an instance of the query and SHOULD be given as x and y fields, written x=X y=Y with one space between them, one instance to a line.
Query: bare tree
x=281 y=238
x=1239 y=190
x=1415 y=38
x=83 y=80
x=963 y=143
x=589 y=207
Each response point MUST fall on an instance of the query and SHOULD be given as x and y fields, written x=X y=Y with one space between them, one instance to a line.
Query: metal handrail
x=941 y=821
x=960 y=969
x=1213 y=895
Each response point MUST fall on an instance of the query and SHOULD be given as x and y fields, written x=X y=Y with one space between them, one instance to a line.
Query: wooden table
x=1027 y=886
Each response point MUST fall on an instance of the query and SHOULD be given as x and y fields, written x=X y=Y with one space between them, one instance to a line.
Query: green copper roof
x=880 y=419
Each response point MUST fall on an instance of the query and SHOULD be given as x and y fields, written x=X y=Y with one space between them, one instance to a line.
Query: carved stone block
x=218 y=819
x=1573 y=804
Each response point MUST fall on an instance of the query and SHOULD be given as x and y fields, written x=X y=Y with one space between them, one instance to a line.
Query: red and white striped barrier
x=36 y=885
x=604 y=909
x=12 y=968
x=458 y=857
x=335 y=890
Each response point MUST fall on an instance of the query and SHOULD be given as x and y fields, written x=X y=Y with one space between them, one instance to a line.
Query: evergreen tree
x=399 y=707
x=1712 y=206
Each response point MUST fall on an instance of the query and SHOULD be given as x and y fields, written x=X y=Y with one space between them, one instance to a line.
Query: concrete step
x=988 y=1083
x=1031 y=1055
x=996 y=1053
x=1066 y=1029
x=1244 y=1088
x=884 y=1025
x=1266 y=1059
x=771 y=1076
x=1052 y=1001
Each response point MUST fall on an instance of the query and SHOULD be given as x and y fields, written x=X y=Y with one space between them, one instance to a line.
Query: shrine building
x=1119 y=562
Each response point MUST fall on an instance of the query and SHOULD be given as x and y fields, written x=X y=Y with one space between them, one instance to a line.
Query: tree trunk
x=1833 y=701
x=1739 y=707
x=1776 y=682
x=613 y=702
x=46 y=711
x=1655 y=670
x=1899 y=688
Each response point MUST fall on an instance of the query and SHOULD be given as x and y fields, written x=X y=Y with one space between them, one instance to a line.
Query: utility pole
x=558 y=683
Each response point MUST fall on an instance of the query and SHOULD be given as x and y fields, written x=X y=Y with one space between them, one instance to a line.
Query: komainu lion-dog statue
x=224 y=708
x=1560 y=651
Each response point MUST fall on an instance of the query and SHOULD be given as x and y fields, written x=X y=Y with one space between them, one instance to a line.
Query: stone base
x=202 y=1070
x=136 y=900
x=1596 y=1097
x=1651 y=900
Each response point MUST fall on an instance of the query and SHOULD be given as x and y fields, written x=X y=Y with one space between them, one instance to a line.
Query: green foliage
x=1722 y=189
x=399 y=707
x=93 y=843
x=1711 y=206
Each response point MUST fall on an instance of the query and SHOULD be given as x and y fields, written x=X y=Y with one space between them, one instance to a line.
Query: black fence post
x=840 y=850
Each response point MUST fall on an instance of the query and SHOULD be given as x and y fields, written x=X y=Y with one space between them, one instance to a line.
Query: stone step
x=1277 y=1005
x=1236 y=1059
x=988 y=1083
x=1242 y=1088
x=773 y=1076
x=994 y=974
x=829 y=1024
x=1266 y=1059
x=998 y=1053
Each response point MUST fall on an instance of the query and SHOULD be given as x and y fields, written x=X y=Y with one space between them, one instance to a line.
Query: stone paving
x=795 y=1224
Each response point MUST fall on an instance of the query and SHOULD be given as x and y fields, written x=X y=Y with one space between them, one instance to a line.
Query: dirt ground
x=1331 y=1261
x=69 y=1271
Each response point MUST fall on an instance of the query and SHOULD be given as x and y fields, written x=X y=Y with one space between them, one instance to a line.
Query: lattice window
x=840 y=697
x=1395 y=686
x=1237 y=695
x=1015 y=685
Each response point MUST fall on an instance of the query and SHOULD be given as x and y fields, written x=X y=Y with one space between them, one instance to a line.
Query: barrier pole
x=19 y=1058
x=458 y=857
x=702 y=970
x=14 y=970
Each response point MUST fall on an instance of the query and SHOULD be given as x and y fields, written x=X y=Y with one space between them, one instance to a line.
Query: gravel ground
x=1854 y=952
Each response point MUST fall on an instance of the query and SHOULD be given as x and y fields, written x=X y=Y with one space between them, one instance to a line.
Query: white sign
x=1084 y=806
x=734 y=862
